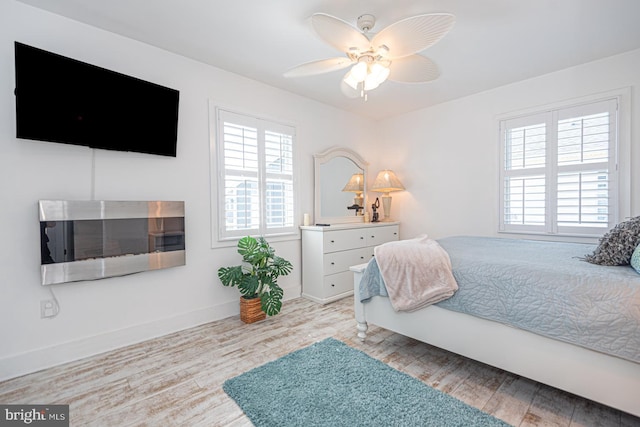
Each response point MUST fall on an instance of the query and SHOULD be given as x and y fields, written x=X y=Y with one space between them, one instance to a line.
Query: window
x=559 y=172
x=255 y=179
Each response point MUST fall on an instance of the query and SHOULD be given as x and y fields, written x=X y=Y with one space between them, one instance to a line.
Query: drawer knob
x=333 y=241
x=333 y=285
x=361 y=257
x=373 y=237
x=333 y=263
x=361 y=238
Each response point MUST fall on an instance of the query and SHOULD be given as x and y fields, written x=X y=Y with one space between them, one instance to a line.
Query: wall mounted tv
x=59 y=99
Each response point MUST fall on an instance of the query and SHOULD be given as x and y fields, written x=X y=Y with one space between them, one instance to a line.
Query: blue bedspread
x=545 y=288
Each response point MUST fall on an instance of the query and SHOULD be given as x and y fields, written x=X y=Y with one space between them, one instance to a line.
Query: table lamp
x=356 y=185
x=386 y=182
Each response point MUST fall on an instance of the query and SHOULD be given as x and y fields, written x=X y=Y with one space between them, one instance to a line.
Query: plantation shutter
x=559 y=172
x=279 y=179
x=240 y=183
x=256 y=176
x=524 y=169
x=586 y=170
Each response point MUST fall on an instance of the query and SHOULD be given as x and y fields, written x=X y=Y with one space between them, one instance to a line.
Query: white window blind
x=559 y=171
x=255 y=176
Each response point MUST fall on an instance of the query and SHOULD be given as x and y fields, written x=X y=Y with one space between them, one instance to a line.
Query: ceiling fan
x=374 y=57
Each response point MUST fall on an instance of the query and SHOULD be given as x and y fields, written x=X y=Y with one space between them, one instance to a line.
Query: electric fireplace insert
x=89 y=240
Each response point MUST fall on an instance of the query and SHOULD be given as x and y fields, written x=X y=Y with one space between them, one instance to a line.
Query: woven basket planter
x=250 y=310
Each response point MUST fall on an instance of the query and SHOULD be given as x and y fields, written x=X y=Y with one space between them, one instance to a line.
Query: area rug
x=332 y=384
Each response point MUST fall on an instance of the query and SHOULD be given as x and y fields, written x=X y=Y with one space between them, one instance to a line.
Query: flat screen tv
x=59 y=99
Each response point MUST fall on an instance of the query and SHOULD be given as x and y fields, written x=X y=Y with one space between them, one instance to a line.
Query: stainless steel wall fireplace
x=88 y=240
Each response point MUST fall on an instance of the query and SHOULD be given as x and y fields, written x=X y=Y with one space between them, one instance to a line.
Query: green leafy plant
x=257 y=276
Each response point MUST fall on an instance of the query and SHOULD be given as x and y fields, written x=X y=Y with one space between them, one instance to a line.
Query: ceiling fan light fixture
x=380 y=72
x=359 y=71
x=371 y=76
x=370 y=83
x=351 y=81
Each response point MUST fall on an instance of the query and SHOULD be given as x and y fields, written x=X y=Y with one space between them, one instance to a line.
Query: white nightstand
x=328 y=252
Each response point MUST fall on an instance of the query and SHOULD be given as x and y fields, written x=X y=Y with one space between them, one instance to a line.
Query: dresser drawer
x=342 y=240
x=379 y=235
x=339 y=283
x=335 y=262
x=328 y=252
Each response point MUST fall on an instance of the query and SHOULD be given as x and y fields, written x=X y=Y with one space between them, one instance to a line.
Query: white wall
x=96 y=316
x=447 y=155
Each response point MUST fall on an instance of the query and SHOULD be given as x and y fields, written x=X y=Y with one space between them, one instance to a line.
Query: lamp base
x=386 y=207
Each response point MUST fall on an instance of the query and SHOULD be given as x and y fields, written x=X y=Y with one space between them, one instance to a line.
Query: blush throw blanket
x=416 y=272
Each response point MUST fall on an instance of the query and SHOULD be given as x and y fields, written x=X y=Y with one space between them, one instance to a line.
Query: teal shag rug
x=332 y=384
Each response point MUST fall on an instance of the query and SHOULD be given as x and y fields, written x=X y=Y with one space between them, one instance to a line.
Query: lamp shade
x=387 y=181
x=355 y=184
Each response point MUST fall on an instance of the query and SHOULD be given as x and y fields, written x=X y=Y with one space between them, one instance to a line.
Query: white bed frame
x=606 y=379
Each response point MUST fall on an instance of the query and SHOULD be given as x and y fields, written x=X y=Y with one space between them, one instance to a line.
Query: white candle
x=306 y=220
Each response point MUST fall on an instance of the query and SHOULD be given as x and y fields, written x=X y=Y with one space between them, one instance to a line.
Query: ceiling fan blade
x=414 y=34
x=318 y=67
x=339 y=33
x=413 y=69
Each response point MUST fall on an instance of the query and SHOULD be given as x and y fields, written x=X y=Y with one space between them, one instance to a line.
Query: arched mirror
x=339 y=175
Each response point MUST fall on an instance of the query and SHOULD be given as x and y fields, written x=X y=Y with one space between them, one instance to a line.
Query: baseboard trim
x=47 y=357
x=36 y=360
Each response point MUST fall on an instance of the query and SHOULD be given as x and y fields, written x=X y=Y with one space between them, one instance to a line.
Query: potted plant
x=256 y=279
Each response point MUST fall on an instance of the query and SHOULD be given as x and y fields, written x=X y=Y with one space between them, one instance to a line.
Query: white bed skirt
x=605 y=379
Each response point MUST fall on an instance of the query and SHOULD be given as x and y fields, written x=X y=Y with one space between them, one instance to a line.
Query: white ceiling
x=493 y=43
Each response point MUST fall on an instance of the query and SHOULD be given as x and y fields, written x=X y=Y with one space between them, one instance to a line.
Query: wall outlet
x=47 y=309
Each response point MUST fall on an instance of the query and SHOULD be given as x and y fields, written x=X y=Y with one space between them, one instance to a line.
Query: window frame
x=220 y=235
x=618 y=165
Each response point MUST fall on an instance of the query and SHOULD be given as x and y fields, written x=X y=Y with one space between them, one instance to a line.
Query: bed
x=560 y=320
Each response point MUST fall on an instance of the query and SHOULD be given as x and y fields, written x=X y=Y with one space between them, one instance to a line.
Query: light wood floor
x=176 y=380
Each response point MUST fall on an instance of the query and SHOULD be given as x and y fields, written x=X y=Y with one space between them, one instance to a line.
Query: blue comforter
x=545 y=288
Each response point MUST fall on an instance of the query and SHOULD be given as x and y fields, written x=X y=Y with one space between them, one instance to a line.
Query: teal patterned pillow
x=635 y=259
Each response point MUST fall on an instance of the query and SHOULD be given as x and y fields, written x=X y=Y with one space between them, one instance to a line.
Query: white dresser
x=328 y=252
